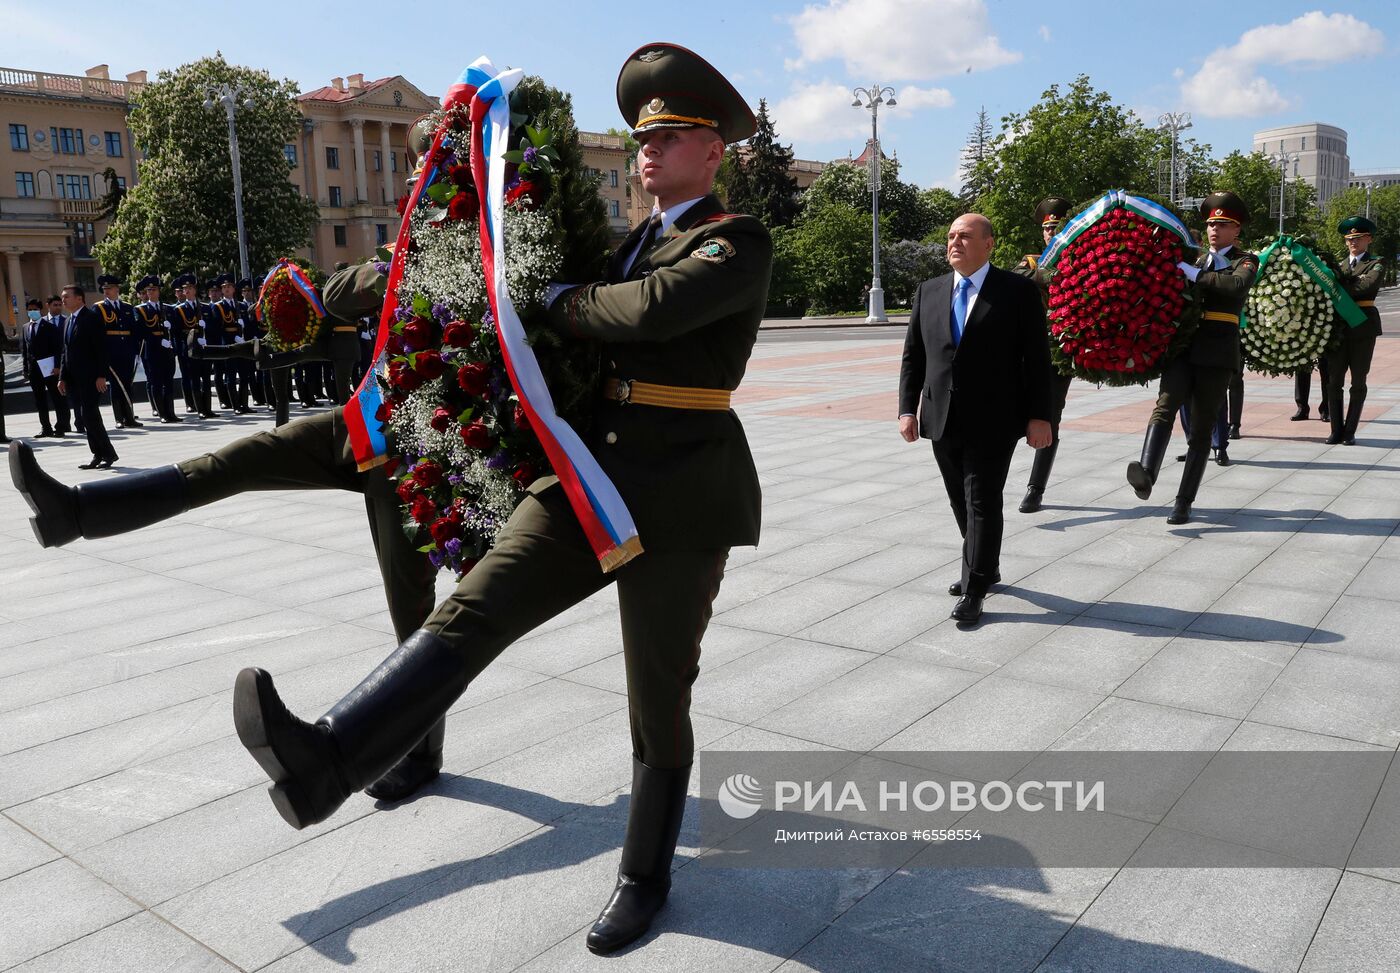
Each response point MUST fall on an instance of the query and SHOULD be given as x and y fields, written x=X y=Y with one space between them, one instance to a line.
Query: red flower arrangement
x=1119 y=305
x=289 y=316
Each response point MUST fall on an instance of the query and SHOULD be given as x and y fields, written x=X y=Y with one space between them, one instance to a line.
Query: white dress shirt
x=978 y=277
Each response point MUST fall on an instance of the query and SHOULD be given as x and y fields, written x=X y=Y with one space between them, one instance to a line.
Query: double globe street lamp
x=233 y=97
x=872 y=98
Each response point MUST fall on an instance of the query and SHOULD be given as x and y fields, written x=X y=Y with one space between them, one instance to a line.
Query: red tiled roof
x=329 y=93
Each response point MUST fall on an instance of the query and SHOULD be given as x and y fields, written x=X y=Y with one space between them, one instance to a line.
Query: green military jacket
x=1217 y=343
x=1030 y=267
x=1362 y=283
x=348 y=295
x=685 y=314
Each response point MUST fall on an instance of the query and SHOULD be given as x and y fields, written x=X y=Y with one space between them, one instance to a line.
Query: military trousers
x=1354 y=357
x=542 y=564
x=1203 y=387
x=314 y=454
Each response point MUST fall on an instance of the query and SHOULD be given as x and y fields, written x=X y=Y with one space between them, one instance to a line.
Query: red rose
x=427 y=473
x=404 y=378
x=474 y=378
x=477 y=436
x=444 y=529
x=395 y=345
x=461 y=177
x=429 y=364
x=385 y=412
x=407 y=490
x=525 y=475
x=422 y=510
x=458 y=334
x=463 y=205
x=441 y=419
x=417 y=334
x=526 y=191
x=402 y=204
x=522 y=421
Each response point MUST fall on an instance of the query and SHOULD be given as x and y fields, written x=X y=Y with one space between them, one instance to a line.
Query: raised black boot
x=644 y=877
x=418 y=768
x=1353 y=419
x=1190 y=482
x=315 y=767
x=99 y=508
x=1336 y=418
x=1142 y=475
x=1041 y=464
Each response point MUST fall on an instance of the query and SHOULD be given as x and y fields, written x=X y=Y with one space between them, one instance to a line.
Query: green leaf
x=422 y=306
x=383 y=255
x=441 y=192
x=517 y=156
x=437 y=214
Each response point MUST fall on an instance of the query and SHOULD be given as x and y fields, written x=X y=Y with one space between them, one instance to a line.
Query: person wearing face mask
x=1201 y=374
x=1360 y=277
x=40 y=345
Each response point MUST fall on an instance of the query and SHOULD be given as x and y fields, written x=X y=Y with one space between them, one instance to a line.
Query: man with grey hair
x=974 y=379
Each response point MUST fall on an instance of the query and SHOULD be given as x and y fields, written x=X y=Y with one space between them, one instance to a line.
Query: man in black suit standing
x=975 y=378
x=84 y=371
x=40 y=346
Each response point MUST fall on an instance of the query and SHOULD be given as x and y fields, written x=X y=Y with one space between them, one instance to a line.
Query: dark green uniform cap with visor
x=666 y=86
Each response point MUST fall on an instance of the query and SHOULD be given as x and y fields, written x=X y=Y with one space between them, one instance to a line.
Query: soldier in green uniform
x=677 y=318
x=1050 y=213
x=1360 y=277
x=1201 y=374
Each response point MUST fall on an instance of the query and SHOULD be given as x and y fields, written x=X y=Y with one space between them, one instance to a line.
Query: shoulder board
x=718 y=217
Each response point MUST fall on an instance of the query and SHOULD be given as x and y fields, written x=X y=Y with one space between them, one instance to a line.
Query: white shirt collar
x=977 y=277
x=669 y=216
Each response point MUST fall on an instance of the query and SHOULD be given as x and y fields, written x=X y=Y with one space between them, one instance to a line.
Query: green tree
x=1385 y=213
x=760 y=183
x=1076 y=143
x=944 y=207
x=973 y=167
x=1255 y=180
x=180 y=214
x=821 y=262
x=905 y=212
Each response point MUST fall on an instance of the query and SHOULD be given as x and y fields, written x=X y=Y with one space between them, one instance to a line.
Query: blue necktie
x=960 y=310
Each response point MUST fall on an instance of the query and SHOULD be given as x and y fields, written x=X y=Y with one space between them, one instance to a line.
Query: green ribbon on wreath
x=1320 y=273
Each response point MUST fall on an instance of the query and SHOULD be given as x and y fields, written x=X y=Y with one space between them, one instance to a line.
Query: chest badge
x=716 y=250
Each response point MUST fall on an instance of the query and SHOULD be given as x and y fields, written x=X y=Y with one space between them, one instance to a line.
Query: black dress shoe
x=968 y=609
x=1300 y=415
x=1222 y=458
x=106 y=462
x=955 y=589
x=91 y=464
x=1349 y=441
x=1032 y=501
x=46 y=434
x=135 y=424
x=1334 y=439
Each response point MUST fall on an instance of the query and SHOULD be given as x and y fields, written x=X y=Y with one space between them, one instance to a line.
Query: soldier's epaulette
x=718 y=217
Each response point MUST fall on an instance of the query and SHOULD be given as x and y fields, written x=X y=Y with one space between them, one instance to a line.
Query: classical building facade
x=352 y=159
x=1321 y=150
x=62 y=133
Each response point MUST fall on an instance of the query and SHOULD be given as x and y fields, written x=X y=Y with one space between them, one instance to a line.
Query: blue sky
x=1252 y=66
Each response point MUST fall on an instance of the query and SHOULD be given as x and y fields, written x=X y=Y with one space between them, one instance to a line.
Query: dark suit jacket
x=995 y=380
x=684 y=314
x=38 y=339
x=84 y=349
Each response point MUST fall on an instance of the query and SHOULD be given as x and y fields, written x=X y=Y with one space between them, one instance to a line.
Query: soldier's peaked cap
x=109 y=280
x=666 y=86
x=221 y=280
x=184 y=280
x=1052 y=209
x=150 y=280
x=1224 y=207
x=1356 y=226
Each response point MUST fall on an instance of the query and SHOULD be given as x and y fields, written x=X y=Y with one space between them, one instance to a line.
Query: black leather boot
x=1041 y=464
x=644 y=877
x=100 y=508
x=315 y=767
x=418 y=768
x=1142 y=475
x=1337 y=420
x=1353 y=418
x=1190 y=482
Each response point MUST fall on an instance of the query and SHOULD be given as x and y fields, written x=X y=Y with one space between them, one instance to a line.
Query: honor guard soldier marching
x=157 y=348
x=1201 y=374
x=261 y=386
x=1360 y=277
x=123 y=342
x=190 y=317
x=227 y=318
x=1050 y=213
x=676 y=319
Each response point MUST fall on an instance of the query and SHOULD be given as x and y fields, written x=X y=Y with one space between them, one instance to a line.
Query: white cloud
x=1045 y=33
x=822 y=111
x=899 y=40
x=912 y=98
x=1229 y=85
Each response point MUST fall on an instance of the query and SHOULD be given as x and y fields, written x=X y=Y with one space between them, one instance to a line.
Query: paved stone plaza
x=135 y=833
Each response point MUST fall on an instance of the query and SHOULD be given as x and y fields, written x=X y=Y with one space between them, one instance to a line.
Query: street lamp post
x=872 y=98
x=1281 y=159
x=1369 y=184
x=233 y=97
x=1175 y=123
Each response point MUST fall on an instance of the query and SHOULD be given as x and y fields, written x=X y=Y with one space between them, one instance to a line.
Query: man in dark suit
x=84 y=371
x=975 y=378
x=40 y=347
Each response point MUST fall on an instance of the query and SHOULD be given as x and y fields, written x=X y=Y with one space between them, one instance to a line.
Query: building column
x=357 y=128
x=318 y=149
x=16 y=287
x=386 y=170
x=61 y=273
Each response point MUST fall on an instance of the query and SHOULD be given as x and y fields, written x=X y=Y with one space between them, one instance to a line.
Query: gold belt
x=350 y=328
x=1365 y=303
x=121 y=334
x=1221 y=316
x=665 y=396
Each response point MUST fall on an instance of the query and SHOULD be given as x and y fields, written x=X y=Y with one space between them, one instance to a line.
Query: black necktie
x=649 y=238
